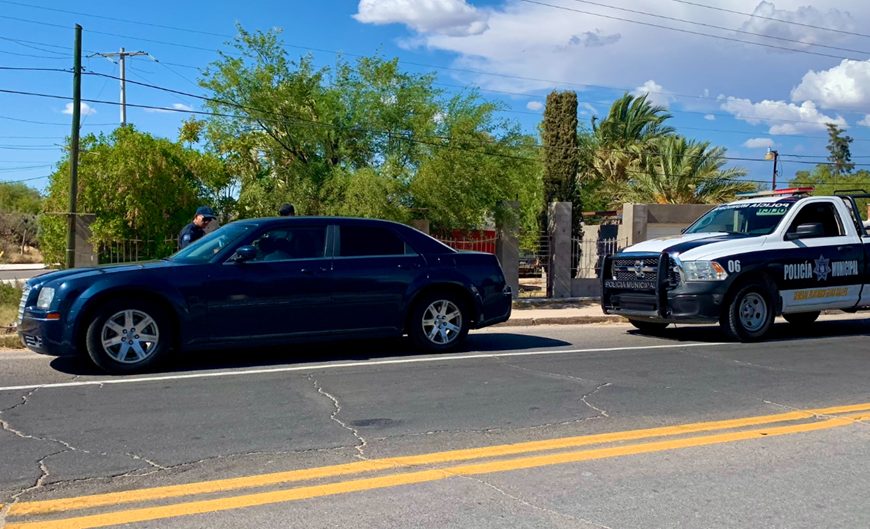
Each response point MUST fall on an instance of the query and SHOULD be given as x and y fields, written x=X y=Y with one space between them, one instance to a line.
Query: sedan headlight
x=46 y=295
x=704 y=271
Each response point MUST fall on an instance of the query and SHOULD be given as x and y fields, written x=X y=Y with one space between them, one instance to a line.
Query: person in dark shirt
x=287 y=210
x=196 y=229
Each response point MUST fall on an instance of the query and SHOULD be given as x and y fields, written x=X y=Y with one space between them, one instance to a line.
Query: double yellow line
x=808 y=421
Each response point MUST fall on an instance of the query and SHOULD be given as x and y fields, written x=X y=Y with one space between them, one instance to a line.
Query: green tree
x=620 y=141
x=680 y=171
x=136 y=185
x=838 y=147
x=19 y=198
x=559 y=138
x=354 y=139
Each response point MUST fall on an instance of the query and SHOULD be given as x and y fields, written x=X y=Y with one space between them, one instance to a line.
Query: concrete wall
x=641 y=222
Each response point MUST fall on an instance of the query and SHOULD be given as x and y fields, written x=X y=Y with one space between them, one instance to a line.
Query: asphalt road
x=562 y=426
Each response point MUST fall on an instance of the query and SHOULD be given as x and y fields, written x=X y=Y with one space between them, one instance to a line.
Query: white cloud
x=534 y=105
x=86 y=109
x=845 y=85
x=655 y=93
x=758 y=143
x=710 y=117
x=866 y=121
x=586 y=108
x=177 y=106
x=593 y=39
x=808 y=17
x=444 y=17
x=780 y=116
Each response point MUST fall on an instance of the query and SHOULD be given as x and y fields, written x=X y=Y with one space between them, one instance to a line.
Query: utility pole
x=122 y=59
x=772 y=155
x=74 y=149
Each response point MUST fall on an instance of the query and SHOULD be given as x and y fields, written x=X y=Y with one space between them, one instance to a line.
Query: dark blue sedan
x=267 y=281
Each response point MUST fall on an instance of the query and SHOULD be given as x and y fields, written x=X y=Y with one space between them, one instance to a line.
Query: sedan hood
x=75 y=273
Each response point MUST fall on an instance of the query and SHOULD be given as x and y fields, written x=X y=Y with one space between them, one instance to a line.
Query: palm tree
x=621 y=140
x=681 y=171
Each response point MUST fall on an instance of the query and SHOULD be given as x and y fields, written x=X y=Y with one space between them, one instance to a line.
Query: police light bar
x=778 y=192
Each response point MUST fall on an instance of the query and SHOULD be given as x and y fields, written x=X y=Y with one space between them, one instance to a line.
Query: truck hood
x=692 y=246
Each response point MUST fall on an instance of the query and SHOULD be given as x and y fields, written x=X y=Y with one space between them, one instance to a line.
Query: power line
x=713 y=26
x=20 y=120
x=24 y=180
x=753 y=15
x=688 y=31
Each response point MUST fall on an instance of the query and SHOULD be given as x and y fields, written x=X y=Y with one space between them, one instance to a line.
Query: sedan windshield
x=755 y=218
x=204 y=249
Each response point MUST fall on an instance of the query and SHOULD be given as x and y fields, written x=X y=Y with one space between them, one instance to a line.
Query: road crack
x=560 y=376
x=361 y=441
x=531 y=505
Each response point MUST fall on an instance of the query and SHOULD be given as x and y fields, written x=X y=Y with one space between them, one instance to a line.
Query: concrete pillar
x=559 y=273
x=507 y=247
x=634 y=221
x=85 y=254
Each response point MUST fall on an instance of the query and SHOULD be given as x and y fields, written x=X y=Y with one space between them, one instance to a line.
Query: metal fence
x=588 y=254
x=132 y=250
x=475 y=245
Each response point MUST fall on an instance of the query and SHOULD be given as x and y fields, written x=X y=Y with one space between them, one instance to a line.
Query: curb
x=570 y=320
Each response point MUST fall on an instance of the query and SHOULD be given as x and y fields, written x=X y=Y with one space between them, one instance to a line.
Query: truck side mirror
x=810 y=230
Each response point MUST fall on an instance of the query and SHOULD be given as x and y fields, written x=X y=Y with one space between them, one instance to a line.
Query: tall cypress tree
x=561 y=163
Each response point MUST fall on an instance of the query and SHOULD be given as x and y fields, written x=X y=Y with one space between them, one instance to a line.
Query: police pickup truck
x=741 y=264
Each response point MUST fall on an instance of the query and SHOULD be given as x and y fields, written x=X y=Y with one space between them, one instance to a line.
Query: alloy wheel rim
x=753 y=312
x=442 y=322
x=130 y=336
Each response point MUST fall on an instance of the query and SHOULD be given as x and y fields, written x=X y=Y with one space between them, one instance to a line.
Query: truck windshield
x=754 y=218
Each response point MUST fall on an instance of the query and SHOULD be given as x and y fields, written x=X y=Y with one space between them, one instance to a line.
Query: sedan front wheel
x=127 y=337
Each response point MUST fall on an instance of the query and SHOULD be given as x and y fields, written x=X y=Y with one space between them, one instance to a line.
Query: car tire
x=649 y=327
x=439 y=322
x=750 y=313
x=126 y=337
x=802 y=318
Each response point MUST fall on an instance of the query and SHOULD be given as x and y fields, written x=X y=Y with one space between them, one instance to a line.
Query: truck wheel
x=648 y=327
x=801 y=318
x=750 y=313
x=438 y=323
x=128 y=336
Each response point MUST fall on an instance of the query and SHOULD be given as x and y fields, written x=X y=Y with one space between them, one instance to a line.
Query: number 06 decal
x=734 y=266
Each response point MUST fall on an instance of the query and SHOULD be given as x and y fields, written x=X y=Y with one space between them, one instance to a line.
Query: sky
x=747 y=75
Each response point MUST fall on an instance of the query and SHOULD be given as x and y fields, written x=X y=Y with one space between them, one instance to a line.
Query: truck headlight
x=704 y=271
x=46 y=295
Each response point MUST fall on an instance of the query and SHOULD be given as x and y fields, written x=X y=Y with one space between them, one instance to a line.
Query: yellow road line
x=223 y=485
x=299 y=493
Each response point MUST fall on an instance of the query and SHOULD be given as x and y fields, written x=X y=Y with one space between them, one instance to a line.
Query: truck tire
x=648 y=327
x=801 y=318
x=750 y=313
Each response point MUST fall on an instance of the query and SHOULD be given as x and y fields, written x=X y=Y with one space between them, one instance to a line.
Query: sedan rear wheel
x=126 y=337
x=438 y=323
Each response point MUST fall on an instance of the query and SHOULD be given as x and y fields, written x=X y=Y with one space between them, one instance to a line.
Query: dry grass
x=10 y=341
x=29 y=256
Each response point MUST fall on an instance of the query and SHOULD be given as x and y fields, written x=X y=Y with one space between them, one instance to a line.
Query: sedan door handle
x=408 y=266
x=313 y=270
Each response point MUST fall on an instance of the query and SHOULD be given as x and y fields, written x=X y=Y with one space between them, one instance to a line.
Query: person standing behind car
x=287 y=210
x=196 y=229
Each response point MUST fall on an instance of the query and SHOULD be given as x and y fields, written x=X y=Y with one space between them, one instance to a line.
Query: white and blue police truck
x=744 y=263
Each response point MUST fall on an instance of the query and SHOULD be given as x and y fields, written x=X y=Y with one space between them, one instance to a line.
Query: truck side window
x=819 y=213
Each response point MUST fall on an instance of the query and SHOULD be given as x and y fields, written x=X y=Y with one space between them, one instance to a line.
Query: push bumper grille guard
x=662 y=282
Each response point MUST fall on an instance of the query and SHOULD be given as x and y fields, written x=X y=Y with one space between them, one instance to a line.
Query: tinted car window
x=819 y=213
x=356 y=241
x=204 y=249
x=298 y=242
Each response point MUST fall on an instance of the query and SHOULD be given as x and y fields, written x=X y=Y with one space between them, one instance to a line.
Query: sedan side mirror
x=810 y=230
x=244 y=253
